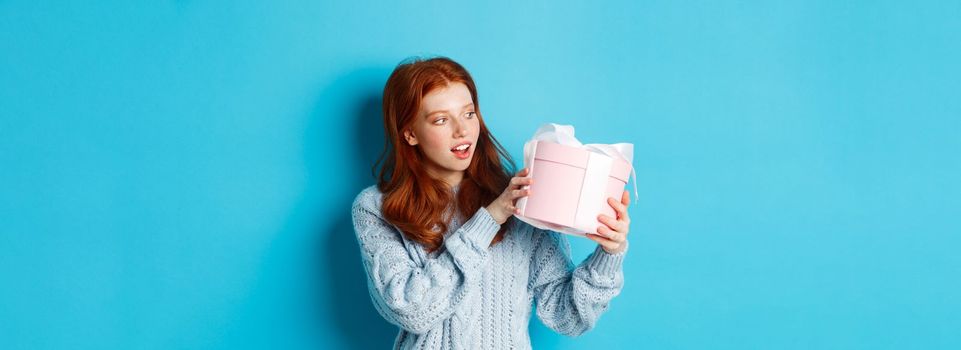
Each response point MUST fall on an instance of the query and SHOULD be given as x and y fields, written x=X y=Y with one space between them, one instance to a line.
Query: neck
x=451 y=178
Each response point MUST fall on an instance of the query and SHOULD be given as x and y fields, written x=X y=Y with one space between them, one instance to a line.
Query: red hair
x=413 y=200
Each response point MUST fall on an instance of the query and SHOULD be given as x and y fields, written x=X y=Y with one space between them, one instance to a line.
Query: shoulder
x=369 y=199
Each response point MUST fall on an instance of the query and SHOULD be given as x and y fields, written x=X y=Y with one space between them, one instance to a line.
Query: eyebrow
x=441 y=111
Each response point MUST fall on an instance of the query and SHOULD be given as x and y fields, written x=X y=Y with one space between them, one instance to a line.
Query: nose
x=461 y=130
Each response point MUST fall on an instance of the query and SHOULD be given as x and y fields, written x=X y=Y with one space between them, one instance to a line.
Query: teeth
x=462 y=147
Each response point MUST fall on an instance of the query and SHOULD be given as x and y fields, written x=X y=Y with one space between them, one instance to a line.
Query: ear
x=410 y=137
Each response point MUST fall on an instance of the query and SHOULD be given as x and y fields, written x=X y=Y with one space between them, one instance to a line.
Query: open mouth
x=462 y=151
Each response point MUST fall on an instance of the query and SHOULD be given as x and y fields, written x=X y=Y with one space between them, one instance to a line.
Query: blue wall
x=178 y=174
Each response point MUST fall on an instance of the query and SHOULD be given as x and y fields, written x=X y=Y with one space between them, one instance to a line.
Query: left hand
x=612 y=236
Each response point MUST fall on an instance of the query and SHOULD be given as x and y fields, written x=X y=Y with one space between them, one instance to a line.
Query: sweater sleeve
x=570 y=300
x=415 y=296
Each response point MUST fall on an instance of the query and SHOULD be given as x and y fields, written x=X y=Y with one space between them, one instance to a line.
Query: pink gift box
x=571 y=187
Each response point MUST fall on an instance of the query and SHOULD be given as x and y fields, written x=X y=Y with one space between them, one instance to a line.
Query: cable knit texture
x=468 y=295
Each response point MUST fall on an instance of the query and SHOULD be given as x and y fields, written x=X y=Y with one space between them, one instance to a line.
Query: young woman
x=445 y=261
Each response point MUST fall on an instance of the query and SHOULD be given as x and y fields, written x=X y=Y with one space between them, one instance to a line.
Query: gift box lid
x=578 y=157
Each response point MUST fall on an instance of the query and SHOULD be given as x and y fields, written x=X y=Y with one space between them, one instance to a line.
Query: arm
x=570 y=300
x=415 y=297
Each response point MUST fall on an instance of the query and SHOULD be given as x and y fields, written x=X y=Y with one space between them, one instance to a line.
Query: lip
x=466 y=153
x=462 y=143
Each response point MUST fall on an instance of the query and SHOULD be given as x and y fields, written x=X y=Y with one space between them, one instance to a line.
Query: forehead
x=453 y=97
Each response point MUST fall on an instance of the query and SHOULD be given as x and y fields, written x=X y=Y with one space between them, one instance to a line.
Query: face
x=445 y=129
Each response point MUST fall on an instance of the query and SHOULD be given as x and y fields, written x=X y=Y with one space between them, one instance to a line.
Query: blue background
x=178 y=174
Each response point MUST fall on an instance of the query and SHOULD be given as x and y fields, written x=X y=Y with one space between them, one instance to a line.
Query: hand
x=612 y=236
x=503 y=206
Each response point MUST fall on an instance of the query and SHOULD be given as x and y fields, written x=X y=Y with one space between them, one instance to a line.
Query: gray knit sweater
x=468 y=295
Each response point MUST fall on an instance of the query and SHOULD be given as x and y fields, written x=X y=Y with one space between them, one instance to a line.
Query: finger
x=607 y=220
x=605 y=232
x=520 y=193
x=521 y=181
x=523 y=172
x=613 y=224
x=625 y=218
x=611 y=235
x=619 y=207
x=606 y=243
x=599 y=239
x=626 y=199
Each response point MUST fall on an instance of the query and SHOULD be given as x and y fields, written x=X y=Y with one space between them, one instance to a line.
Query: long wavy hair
x=414 y=201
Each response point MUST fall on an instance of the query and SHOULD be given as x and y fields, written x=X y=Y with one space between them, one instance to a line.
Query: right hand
x=503 y=206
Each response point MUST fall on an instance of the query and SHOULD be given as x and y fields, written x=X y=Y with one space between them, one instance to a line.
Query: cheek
x=434 y=142
x=475 y=127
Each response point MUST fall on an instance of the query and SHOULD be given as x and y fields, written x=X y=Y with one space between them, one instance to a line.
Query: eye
x=439 y=121
x=471 y=114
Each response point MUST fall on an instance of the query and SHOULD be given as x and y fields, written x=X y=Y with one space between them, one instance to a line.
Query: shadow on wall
x=349 y=307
